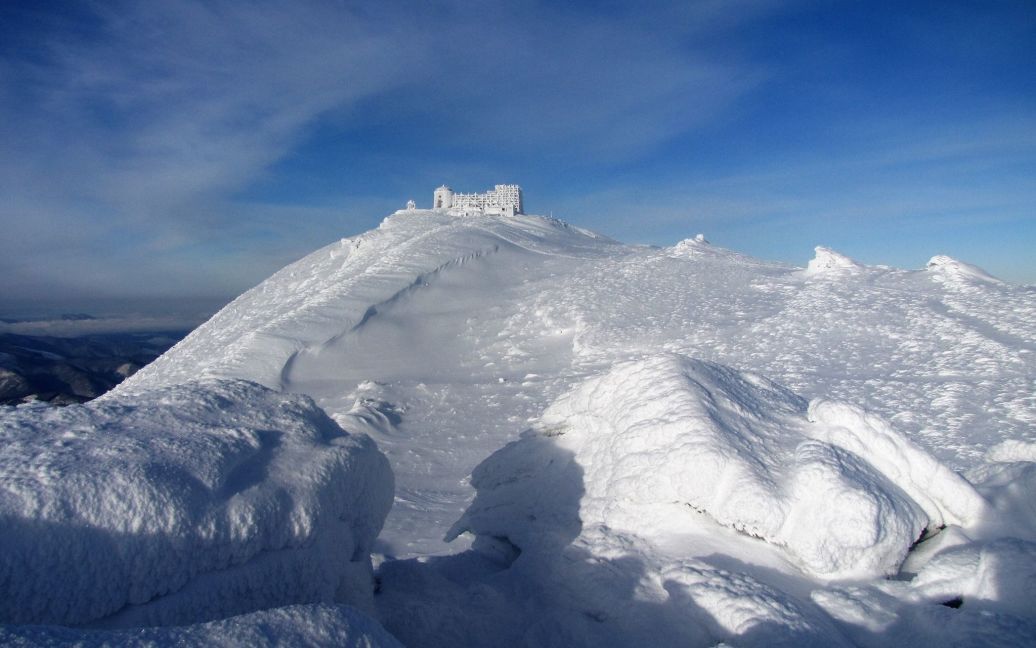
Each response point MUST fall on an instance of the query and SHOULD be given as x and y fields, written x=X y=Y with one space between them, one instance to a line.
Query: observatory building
x=502 y=199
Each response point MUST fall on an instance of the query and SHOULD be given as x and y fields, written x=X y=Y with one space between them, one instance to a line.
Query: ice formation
x=184 y=504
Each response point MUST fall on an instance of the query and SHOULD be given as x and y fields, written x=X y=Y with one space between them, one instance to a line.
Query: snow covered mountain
x=596 y=443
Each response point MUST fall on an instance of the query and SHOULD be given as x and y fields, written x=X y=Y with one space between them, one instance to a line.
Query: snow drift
x=182 y=505
x=667 y=438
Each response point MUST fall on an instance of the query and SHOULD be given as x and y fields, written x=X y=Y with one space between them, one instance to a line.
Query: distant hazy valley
x=63 y=370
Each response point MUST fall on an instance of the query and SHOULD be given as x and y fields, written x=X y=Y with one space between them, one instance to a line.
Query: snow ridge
x=329 y=292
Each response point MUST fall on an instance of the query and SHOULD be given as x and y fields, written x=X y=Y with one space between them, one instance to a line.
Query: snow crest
x=183 y=505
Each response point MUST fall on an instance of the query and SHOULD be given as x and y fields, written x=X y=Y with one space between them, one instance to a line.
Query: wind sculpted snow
x=184 y=504
x=673 y=446
x=720 y=499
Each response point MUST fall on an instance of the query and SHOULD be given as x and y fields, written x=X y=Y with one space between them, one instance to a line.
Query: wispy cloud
x=68 y=328
x=590 y=84
x=128 y=137
x=129 y=128
x=186 y=147
x=169 y=101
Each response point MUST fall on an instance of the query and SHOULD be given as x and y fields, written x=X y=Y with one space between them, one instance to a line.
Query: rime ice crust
x=184 y=504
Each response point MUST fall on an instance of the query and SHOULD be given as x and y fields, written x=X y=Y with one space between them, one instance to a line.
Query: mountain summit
x=595 y=443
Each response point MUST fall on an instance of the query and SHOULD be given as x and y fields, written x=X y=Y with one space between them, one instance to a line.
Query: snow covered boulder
x=946 y=497
x=661 y=440
x=689 y=247
x=828 y=262
x=949 y=270
x=182 y=505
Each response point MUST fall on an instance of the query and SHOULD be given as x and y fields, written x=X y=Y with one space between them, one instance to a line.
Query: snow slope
x=681 y=445
x=184 y=504
x=338 y=288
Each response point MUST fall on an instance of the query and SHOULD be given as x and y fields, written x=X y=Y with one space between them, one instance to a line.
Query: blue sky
x=175 y=152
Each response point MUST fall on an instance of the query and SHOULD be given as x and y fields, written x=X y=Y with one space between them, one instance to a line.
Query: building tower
x=443 y=198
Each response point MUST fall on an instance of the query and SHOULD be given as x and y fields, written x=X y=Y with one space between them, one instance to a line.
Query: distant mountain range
x=68 y=317
x=64 y=370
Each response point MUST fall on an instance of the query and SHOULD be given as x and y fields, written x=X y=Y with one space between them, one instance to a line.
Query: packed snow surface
x=184 y=504
x=602 y=444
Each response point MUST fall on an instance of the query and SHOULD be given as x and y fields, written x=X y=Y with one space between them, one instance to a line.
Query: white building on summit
x=502 y=199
